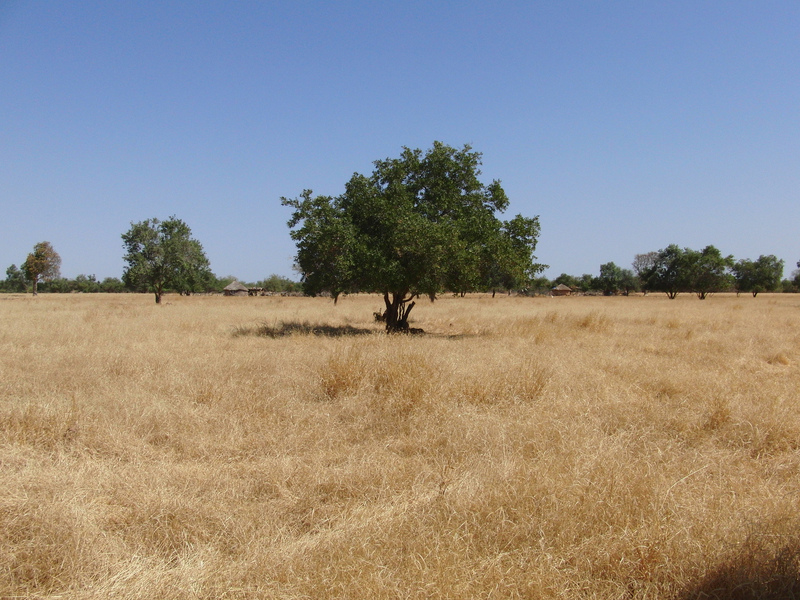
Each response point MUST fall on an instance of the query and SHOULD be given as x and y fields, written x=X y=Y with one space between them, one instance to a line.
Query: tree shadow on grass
x=765 y=567
x=281 y=329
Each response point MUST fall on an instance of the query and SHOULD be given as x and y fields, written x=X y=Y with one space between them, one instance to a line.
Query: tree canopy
x=15 y=280
x=43 y=264
x=665 y=271
x=418 y=225
x=162 y=255
x=761 y=275
x=708 y=270
x=673 y=270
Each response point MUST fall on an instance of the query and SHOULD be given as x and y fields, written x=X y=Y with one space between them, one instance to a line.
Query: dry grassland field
x=287 y=448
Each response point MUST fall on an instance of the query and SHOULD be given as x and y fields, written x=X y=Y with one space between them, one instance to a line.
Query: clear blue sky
x=626 y=126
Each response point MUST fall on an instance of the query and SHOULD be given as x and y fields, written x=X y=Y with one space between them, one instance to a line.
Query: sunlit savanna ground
x=286 y=448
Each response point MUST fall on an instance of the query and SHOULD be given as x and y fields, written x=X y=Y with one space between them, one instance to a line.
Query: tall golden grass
x=287 y=448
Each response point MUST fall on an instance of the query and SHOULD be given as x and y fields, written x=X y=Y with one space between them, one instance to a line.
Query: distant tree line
x=161 y=257
x=674 y=270
x=16 y=282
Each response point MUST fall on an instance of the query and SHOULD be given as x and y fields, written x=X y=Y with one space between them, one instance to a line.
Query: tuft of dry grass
x=287 y=448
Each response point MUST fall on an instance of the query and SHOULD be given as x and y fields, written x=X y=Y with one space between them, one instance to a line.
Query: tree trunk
x=398 y=308
x=35 y=286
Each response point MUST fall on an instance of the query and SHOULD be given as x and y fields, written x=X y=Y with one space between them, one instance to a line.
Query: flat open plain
x=279 y=447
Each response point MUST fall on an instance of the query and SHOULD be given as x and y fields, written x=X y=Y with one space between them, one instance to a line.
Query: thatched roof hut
x=561 y=290
x=234 y=288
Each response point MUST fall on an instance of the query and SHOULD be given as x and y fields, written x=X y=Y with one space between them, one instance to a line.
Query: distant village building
x=234 y=288
x=561 y=290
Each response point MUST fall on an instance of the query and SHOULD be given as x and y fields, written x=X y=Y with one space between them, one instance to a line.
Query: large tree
x=43 y=264
x=708 y=270
x=418 y=225
x=761 y=275
x=667 y=272
x=162 y=255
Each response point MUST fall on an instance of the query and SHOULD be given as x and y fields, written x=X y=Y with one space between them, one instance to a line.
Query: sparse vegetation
x=593 y=447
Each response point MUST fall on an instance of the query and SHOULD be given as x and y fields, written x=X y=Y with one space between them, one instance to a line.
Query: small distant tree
x=162 y=255
x=85 y=284
x=707 y=270
x=642 y=263
x=59 y=285
x=220 y=283
x=112 y=285
x=587 y=283
x=762 y=275
x=15 y=279
x=629 y=282
x=277 y=283
x=539 y=285
x=43 y=264
x=610 y=280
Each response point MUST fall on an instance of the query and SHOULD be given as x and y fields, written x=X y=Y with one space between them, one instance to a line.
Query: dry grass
x=286 y=448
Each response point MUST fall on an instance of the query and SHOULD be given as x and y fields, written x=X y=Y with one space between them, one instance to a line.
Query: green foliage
x=610 y=280
x=629 y=282
x=85 y=284
x=642 y=263
x=539 y=285
x=43 y=264
x=761 y=275
x=82 y=284
x=707 y=271
x=674 y=270
x=218 y=284
x=667 y=272
x=418 y=225
x=162 y=255
x=112 y=285
x=15 y=280
x=587 y=283
x=796 y=278
x=277 y=283
x=614 y=280
x=568 y=280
